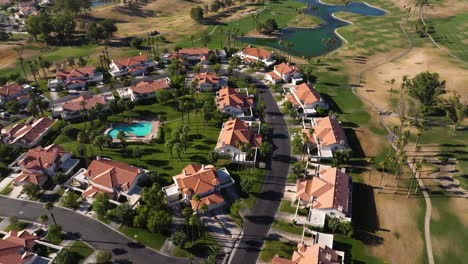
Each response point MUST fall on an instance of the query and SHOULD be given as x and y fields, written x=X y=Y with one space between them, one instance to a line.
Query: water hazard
x=312 y=41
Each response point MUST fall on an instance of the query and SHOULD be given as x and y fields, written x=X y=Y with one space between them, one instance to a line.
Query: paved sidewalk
x=222 y=228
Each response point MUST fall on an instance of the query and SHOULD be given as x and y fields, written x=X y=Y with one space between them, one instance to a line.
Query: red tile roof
x=29 y=133
x=197 y=179
x=79 y=72
x=230 y=97
x=42 y=158
x=212 y=199
x=29 y=177
x=10 y=89
x=150 y=87
x=236 y=130
x=330 y=189
x=90 y=102
x=207 y=77
x=257 y=53
x=13 y=244
x=112 y=174
x=305 y=93
x=328 y=130
x=128 y=62
x=315 y=254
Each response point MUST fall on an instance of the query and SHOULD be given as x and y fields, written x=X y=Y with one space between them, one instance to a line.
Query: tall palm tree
x=33 y=71
x=49 y=206
x=177 y=148
x=121 y=137
x=382 y=166
x=392 y=81
x=19 y=52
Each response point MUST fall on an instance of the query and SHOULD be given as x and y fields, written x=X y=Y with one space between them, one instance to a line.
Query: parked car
x=4 y=115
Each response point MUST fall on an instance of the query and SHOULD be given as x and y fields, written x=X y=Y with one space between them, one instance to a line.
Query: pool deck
x=132 y=138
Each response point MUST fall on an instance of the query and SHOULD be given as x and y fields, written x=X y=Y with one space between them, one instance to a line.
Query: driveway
x=95 y=233
x=258 y=223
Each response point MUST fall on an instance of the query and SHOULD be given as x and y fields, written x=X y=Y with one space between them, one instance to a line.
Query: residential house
x=76 y=79
x=39 y=163
x=116 y=179
x=312 y=254
x=134 y=66
x=26 y=8
x=235 y=103
x=144 y=90
x=14 y=91
x=250 y=54
x=29 y=134
x=305 y=99
x=240 y=140
x=328 y=195
x=325 y=135
x=74 y=108
x=192 y=56
x=284 y=72
x=207 y=81
x=16 y=248
x=202 y=180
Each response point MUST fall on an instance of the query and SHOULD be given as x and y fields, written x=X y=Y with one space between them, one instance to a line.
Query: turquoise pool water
x=310 y=41
x=138 y=129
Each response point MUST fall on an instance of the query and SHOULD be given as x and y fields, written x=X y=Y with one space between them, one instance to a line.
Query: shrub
x=104 y=257
x=178 y=238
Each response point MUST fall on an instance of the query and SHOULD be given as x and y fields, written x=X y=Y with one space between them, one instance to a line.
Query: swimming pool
x=140 y=129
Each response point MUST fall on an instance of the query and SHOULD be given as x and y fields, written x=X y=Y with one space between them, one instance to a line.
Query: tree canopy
x=425 y=87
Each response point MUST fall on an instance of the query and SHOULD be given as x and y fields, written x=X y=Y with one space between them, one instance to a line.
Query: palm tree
x=33 y=71
x=170 y=146
x=382 y=166
x=203 y=209
x=121 y=137
x=392 y=81
x=49 y=206
x=44 y=219
x=371 y=164
x=19 y=51
x=177 y=148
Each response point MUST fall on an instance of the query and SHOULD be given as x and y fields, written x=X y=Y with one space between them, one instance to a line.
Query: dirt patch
x=376 y=82
x=399 y=229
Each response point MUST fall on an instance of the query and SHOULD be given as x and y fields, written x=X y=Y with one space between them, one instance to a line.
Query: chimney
x=203 y=167
x=98 y=157
x=328 y=256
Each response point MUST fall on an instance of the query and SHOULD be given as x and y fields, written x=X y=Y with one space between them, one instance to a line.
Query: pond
x=311 y=41
x=97 y=3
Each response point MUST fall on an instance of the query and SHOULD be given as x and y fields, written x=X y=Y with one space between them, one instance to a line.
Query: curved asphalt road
x=258 y=223
x=93 y=232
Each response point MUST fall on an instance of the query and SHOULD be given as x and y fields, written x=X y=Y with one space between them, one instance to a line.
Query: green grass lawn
x=452 y=32
x=448 y=231
x=286 y=207
x=199 y=247
x=82 y=250
x=355 y=250
x=275 y=247
x=287 y=227
x=20 y=226
x=156 y=157
x=153 y=240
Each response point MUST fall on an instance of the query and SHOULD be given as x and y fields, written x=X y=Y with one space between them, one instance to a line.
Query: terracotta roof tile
x=10 y=89
x=150 y=87
x=236 y=130
x=128 y=62
x=90 y=102
x=197 y=179
x=75 y=73
x=206 y=77
x=112 y=174
x=29 y=133
x=212 y=199
x=329 y=131
x=305 y=93
x=230 y=97
x=330 y=189
x=257 y=53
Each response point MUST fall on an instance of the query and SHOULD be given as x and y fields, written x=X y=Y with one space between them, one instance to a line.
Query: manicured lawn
x=20 y=226
x=452 y=32
x=448 y=231
x=156 y=157
x=287 y=227
x=200 y=247
x=355 y=250
x=153 y=240
x=275 y=247
x=82 y=250
x=56 y=240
